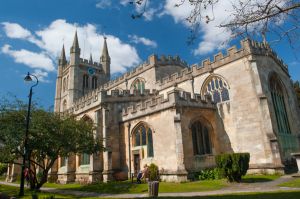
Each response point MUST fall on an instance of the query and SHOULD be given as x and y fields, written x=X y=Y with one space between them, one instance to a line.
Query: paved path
x=233 y=188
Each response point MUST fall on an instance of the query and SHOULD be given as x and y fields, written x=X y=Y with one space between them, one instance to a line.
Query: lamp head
x=28 y=78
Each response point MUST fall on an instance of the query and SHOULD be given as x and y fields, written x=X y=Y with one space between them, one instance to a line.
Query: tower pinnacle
x=105 y=56
x=62 y=59
x=75 y=47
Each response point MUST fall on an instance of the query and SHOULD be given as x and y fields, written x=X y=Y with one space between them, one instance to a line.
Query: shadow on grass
x=112 y=188
x=255 y=180
x=273 y=195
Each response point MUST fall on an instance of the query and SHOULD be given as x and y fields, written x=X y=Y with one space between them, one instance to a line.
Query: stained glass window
x=217 y=88
x=143 y=137
x=200 y=138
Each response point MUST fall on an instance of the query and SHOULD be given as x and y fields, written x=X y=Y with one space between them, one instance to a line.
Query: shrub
x=210 y=174
x=153 y=172
x=234 y=165
x=3 y=168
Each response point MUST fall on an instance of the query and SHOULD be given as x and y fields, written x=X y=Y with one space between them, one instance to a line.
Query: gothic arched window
x=279 y=105
x=201 y=139
x=94 y=82
x=142 y=136
x=217 y=88
x=84 y=157
x=85 y=83
x=138 y=84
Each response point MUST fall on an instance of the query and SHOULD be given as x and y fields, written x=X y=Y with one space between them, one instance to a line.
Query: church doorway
x=136 y=163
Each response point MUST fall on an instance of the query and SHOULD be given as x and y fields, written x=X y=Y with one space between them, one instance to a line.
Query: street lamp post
x=26 y=154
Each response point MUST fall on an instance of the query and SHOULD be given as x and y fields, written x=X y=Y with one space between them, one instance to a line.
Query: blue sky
x=32 y=33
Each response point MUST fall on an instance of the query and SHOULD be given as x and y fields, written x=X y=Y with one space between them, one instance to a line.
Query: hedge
x=233 y=165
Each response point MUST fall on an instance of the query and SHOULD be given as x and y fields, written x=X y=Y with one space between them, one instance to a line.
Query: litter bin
x=153 y=188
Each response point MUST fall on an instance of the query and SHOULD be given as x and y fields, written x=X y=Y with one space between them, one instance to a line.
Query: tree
x=50 y=136
x=246 y=18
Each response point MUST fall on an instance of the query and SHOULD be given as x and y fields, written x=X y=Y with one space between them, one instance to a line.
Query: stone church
x=179 y=116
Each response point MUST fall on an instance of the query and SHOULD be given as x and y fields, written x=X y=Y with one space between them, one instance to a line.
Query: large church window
x=84 y=157
x=217 y=88
x=139 y=85
x=94 y=82
x=279 y=106
x=201 y=139
x=142 y=135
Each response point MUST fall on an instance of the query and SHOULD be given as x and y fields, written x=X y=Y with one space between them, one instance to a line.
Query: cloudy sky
x=32 y=33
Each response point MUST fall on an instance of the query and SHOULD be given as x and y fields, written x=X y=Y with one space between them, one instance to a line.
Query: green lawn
x=14 y=191
x=292 y=183
x=128 y=187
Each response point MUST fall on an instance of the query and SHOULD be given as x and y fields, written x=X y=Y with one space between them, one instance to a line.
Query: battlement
x=152 y=61
x=175 y=98
x=98 y=96
x=233 y=53
x=88 y=62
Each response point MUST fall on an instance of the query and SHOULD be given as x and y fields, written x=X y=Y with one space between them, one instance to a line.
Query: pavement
x=270 y=186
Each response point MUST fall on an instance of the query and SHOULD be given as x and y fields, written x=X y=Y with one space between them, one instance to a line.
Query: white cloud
x=31 y=59
x=41 y=75
x=103 y=4
x=14 y=30
x=147 y=42
x=212 y=36
x=51 y=38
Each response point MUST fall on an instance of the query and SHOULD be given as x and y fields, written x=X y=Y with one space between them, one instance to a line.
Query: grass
x=259 y=178
x=14 y=191
x=128 y=187
x=292 y=183
x=255 y=195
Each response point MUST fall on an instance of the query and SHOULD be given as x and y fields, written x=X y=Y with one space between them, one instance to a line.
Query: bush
x=234 y=165
x=153 y=172
x=210 y=174
x=3 y=168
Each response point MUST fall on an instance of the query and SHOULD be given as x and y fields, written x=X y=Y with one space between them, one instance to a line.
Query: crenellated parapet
x=100 y=96
x=175 y=98
x=151 y=62
x=248 y=47
x=89 y=62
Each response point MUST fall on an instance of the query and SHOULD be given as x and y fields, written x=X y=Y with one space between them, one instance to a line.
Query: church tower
x=79 y=76
x=105 y=60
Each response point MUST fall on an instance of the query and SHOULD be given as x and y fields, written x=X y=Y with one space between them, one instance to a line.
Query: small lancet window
x=94 y=82
x=85 y=83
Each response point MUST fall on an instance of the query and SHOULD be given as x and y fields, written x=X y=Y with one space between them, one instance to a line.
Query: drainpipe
x=129 y=152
